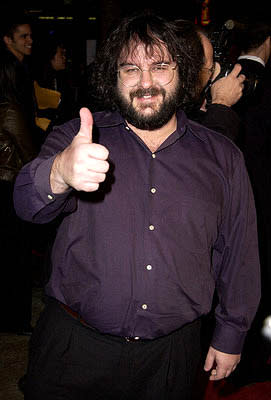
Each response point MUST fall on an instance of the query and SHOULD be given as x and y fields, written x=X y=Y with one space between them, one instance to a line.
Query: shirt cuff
x=42 y=183
x=227 y=339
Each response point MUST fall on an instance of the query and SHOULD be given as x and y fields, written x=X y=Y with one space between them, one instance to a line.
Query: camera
x=222 y=39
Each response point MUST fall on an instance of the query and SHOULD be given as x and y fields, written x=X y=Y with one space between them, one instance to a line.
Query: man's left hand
x=220 y=364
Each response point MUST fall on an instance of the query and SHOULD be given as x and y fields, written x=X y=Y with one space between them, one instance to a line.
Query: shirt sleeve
x=236 y=265
x=34 y=200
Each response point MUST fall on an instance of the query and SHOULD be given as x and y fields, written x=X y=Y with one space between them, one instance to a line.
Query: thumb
x=86 y=124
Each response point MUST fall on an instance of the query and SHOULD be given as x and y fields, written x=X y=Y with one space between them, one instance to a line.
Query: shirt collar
x=253 y=58
x=107 y=119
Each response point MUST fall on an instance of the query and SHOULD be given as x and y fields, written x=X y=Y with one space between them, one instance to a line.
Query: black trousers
x=69 y=361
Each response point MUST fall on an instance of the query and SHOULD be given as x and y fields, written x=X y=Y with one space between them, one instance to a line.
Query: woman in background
x=53 y=89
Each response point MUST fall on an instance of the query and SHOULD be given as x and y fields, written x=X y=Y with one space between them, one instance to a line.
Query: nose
x=146 y=78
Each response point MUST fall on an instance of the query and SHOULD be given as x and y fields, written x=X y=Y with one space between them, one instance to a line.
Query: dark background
x=77 y=21
x=105 y=12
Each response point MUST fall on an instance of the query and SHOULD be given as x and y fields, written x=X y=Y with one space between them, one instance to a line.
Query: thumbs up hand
x=83 y=164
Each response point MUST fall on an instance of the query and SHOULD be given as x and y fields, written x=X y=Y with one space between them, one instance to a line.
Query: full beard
x=158 y=117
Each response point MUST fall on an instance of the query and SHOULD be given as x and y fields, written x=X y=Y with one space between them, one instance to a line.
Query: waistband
x=77 y=316
x=126 y=339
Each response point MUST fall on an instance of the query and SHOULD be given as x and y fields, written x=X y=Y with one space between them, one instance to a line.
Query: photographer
x=216 y=97
x=216 y=110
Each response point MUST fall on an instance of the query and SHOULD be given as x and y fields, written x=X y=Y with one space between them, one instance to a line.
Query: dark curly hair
x=153 y=32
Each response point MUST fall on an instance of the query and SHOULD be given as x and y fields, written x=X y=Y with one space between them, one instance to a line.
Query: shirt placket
x=144 y=304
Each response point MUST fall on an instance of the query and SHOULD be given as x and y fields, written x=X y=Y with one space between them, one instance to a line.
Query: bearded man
x=156 y=211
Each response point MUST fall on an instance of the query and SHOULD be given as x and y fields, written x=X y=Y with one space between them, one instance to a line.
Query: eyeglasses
x=131 y=75
x=210 y=70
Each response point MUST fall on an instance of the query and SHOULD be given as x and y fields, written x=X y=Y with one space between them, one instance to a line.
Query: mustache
x=140 y=92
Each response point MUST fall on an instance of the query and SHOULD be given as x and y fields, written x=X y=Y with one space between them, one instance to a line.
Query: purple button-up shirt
x=143 y=255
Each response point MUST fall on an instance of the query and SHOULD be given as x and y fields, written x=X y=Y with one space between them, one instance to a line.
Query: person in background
x=55 y=105
x=17 y=147
x=52 y=85
x=16 y=43
x=216 y=95
x=156 y=211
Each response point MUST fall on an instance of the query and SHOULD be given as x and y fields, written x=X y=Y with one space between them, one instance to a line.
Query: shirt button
x=151 y=228
x=127 y=127
x=144 y=306
x=149 y=267
x=50 y=197
x=153 y=190
x=153 y=155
